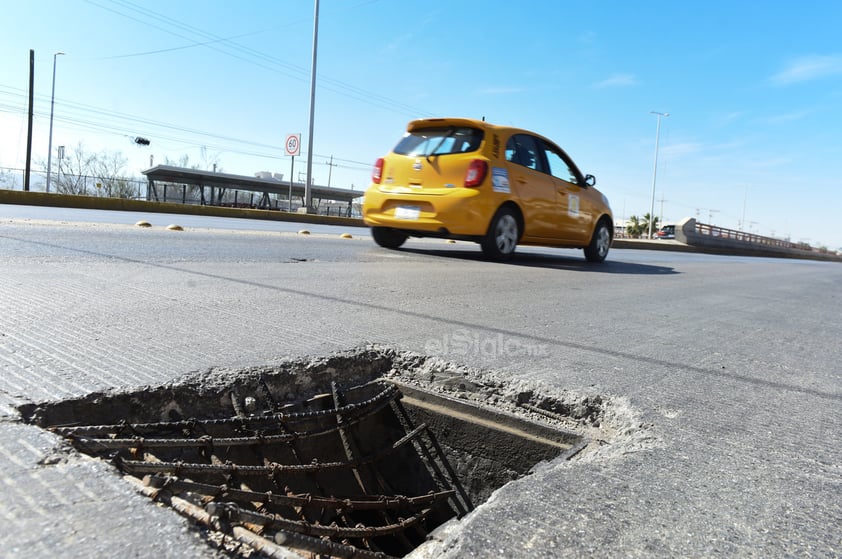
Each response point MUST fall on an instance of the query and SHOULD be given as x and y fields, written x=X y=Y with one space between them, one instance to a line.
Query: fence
x=68 y=183
x=135 y=189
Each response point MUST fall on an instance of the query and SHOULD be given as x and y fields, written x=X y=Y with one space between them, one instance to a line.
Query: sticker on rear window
x=500 y=179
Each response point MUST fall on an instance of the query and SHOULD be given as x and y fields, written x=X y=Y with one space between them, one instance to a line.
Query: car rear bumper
x=457 y=212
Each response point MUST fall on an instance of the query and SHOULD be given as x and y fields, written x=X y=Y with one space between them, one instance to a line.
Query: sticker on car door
x=500 y=180
x=573 y=205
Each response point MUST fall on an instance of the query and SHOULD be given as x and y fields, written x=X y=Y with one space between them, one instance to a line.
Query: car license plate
x=407 y=212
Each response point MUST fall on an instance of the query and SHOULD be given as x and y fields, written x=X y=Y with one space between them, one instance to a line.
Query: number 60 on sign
x=293 y=144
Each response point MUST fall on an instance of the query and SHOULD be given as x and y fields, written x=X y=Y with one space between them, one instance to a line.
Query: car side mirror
x=590 y=180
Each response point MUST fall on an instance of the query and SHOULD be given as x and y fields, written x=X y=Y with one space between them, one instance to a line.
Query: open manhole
x=361 y=454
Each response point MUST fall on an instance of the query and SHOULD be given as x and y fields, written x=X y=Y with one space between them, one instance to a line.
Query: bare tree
x=210 y=162
x=99 y=174
x=183 y=161
x=8 y=180
x=74 y=171
x=109 y=168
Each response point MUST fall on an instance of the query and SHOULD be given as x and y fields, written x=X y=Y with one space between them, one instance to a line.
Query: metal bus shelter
x=210 y=188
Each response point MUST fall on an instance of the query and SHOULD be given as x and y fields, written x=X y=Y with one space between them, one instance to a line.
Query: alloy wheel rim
x=603 y=240
x=506 y=234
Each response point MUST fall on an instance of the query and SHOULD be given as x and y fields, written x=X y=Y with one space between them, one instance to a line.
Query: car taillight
x=476 y=173
x=377 y=172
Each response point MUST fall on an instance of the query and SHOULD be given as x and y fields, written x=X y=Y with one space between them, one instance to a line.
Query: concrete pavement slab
x=730 y=364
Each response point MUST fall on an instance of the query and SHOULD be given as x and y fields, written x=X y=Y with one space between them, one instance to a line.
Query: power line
x=257 y=58
x=182 y=47
x=77 y=118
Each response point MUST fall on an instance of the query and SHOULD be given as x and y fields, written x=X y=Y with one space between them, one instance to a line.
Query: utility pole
x=60 y=159
x=330 y=171
x=661 y=215
x=745 y=200
x=710 y=216
x=29 y=130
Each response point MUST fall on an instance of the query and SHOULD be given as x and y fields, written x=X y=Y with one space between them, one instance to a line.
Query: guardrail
x=710 y=238
x=742 y=236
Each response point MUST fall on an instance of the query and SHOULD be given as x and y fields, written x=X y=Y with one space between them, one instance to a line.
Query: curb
x=121 y=204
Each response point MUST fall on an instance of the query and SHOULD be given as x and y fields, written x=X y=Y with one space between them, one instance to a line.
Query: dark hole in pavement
x=361 y=454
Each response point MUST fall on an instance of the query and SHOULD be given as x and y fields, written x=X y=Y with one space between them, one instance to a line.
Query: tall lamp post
x=52 y=103
x=308 y=191
x=655 y=171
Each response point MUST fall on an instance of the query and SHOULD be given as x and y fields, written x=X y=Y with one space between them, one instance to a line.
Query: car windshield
x=439 y=141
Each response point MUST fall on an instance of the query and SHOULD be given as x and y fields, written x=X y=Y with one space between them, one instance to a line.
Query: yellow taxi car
x=466 y=179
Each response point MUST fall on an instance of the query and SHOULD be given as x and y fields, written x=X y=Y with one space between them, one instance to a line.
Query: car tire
x=503 y=234
x=388 y=238
x=597 y=250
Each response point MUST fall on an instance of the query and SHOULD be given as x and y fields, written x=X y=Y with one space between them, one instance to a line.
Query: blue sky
x=754 y=91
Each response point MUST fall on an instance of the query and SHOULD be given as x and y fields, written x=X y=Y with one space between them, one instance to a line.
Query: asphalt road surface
x=728 y=365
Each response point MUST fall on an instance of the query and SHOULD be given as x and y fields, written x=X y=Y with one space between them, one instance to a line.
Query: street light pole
x=308 y=194
x=655 y=170
x=52 y=103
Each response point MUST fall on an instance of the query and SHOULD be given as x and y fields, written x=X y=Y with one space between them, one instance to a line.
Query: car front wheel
x=388 y=238
x=502 y=236
x=597 y=250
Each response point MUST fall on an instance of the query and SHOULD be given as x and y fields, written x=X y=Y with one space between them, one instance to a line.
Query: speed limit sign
x=293 y=144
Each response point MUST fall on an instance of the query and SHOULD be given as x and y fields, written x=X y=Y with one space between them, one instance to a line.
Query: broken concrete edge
x=609 y=427
x=608 y=423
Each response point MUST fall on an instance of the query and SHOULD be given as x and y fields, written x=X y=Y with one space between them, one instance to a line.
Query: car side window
x=523 y=150
x=558 y=166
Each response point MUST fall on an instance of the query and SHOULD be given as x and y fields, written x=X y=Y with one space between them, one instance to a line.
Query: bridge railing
x=691 y=232
x=734 y=235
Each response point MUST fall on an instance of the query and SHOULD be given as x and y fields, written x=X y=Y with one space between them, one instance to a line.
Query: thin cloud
x=809 y=68
x=784 y=118
x=768 y=162
x=617 y=80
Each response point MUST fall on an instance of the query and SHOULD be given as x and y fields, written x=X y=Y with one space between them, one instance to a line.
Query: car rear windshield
x=439 y=141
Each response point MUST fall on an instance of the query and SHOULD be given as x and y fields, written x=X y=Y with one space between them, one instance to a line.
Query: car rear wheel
x=502 y=236
x=388 y=238
x=600 y=243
